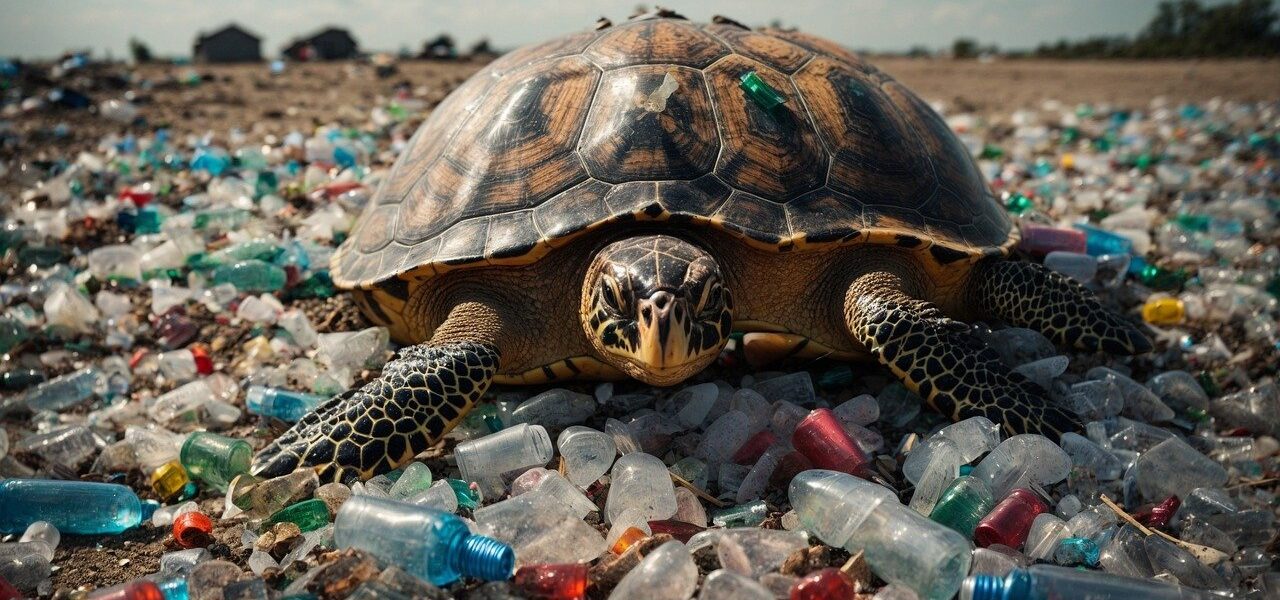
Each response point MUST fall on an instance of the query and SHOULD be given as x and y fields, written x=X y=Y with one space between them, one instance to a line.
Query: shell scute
x=566 y=137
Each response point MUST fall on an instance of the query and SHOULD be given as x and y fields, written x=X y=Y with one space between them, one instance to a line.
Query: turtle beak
x=663 y=329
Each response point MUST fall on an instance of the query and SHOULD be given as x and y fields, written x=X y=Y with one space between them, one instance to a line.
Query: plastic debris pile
x=166 y=310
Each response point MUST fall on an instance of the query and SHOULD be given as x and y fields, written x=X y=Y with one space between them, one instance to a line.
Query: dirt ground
x=249 y=98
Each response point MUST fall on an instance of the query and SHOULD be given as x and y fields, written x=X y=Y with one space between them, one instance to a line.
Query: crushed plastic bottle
x=843 y=510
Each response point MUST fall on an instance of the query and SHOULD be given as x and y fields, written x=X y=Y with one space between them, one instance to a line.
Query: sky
x=45 y=28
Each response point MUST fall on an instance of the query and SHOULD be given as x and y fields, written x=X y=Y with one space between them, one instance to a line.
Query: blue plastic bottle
x=285 y=405
x=1099 y=241
x=81 y=507
x=432 y=545
x=1047 y=582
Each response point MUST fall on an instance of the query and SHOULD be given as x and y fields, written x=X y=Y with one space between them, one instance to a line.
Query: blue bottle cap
x=149 y=508
x=982 y=587
x=486 y=558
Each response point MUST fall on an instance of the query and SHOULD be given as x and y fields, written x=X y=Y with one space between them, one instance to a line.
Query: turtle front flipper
x=1029 y=295
x=421 y=394
x=941 y=361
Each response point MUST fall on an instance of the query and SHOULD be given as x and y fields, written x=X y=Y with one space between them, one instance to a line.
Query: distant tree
x=481 y=47
x=919 y=52
x=964 y=48
x=441 y=47
x=139 y=50
x=1185 y=28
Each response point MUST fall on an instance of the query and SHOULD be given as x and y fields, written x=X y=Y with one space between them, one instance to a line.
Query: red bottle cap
x=130 y=590
x=139 y=197
x=137 y=357
x=790 y=466
x=677 y=529
x=827 y=584
x=823 y=441
x=628 y=537
x=751 y=451
x=204 y=364
x=1010 y=521
x=557 y=582
x=1159 y=515
x=193 y=530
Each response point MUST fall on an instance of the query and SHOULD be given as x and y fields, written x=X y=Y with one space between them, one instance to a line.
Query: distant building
x=229 y=44
x=329 y=44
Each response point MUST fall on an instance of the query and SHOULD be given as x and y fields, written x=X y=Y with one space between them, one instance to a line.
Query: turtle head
x=656 y=307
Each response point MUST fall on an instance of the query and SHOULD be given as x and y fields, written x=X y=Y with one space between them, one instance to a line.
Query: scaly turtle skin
x=613 y=203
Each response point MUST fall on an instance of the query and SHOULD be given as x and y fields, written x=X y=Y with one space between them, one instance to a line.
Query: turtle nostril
x=661 y=300
x=646 y=313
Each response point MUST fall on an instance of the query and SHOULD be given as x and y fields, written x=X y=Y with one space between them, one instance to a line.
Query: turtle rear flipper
x=1032 y=296
x=420 y=396
x=939 y=359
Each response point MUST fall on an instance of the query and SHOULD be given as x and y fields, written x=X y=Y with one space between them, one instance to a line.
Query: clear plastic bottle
x=513 y=448
x=1045 y=582
x=900 y=545
x=430 y=544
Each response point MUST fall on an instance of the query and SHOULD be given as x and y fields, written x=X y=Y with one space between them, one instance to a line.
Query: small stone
x=207 y=579
x=286 y=537
x=342 y=576
x=333 y=495
x=248 y=589
x=408 y=586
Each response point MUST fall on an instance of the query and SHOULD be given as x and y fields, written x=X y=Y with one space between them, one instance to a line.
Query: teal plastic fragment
x=760 y=92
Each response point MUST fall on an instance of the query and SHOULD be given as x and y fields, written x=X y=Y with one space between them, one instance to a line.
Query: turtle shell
x=568 y=136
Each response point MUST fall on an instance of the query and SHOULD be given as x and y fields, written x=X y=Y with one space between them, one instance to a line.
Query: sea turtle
x=613 y=203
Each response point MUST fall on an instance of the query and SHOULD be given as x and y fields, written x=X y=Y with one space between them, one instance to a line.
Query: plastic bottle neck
x=1015 y=586
x=485 y=558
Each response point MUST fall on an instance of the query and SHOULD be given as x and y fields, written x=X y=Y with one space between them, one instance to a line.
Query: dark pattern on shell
x=563 y=137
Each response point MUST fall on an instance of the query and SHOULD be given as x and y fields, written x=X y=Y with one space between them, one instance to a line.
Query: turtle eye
x=709 y=304
x=612 y=295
